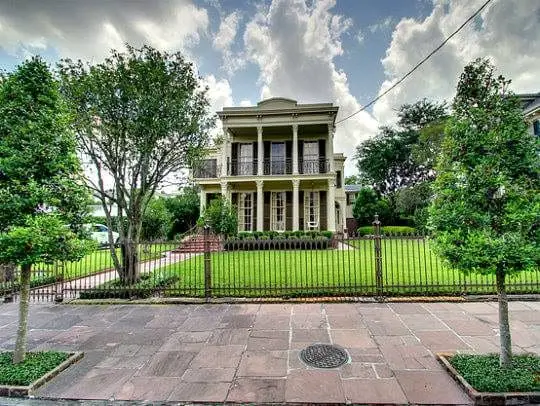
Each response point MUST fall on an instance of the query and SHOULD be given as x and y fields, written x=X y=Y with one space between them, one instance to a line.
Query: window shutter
x=322 y=156
x=254 y=211
x=301 y=156
x=255 y=157
x=234 y=158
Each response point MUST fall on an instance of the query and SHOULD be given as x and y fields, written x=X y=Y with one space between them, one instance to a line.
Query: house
x=531 y=111
x=276 y=164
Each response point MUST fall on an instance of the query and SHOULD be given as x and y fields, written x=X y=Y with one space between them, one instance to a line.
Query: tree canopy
x=141 y=117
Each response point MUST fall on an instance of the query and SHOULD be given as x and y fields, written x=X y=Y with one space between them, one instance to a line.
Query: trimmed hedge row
x=388 y=230
x=285 y=235
x=261 y=244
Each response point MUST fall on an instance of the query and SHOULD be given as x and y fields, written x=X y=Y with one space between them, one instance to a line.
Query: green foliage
x=485 y=213
x=391 y=160
x=157 y=221
x=184 y=210
x=485 y=374
x=140 y=116
x=387 y=230
x=221 y=217
x=367 y=204
x=38 y=201
x=353 y=180
x=31 y=369
x=148 y=285
x=274 y=235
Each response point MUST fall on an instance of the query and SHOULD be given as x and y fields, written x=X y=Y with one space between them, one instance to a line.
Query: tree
x=157 y=220
x=392 y=160
x=221 y=217
x=486 y=210
x=367 y=204
x=184 y=210
x=352 y=180
x=142 y=116
x=42 y=202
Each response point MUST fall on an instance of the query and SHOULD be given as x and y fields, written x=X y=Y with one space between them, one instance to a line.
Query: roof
x=352 y=188
x=277 y=105
x=530 y=102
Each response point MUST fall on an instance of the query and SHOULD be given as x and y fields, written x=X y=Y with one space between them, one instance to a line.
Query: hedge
x=250 y=243
x=387 y=230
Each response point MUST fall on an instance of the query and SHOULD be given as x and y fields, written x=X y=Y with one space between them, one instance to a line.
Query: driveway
x=250 y=352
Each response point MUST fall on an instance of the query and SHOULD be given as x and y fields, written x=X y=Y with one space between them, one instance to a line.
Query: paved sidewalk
x=249 y=352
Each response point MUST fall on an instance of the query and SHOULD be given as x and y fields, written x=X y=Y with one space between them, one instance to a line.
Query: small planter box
x=488 y=398
x=24 y=391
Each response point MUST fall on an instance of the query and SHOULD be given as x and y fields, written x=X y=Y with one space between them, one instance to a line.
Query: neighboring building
x=351 y=191
x=278 y=167
x=531 y=111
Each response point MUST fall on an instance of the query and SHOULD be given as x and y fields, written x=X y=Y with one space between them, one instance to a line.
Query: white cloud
x=360 y=37
x=294 y=46
x=224 y=40
x=88 y=29
x=382 y=25
x=507 y=33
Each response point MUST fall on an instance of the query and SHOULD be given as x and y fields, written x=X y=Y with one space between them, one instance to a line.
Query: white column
x=344 y=215
x=225 y=191
x=202 y=201
x=224 y=151
x=260 y=152
x=295 y=205
x=295 y=149
x=331 y=205
x=330 y=147
x=260 y=205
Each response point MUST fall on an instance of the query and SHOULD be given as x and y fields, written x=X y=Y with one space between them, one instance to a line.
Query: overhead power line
x=418 y=64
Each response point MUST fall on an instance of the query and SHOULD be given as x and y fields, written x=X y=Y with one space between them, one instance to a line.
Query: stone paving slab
x=250 y=352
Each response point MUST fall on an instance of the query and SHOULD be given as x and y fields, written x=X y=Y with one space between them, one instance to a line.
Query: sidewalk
x=249 y=352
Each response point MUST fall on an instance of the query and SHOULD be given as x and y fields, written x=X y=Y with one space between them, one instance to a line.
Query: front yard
x=408 y=267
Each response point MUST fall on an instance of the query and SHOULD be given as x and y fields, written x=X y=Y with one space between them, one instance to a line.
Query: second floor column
x=224 y=151
x=260 y=152
x=260 y=205
x=295 y=149
x=330 y=147
x=295 y=205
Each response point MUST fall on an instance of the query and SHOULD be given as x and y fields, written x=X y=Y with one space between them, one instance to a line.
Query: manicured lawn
x=35 y=365
x=484 y=374
x=408 y=267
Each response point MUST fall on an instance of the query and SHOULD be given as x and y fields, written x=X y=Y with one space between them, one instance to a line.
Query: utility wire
x=417 y=65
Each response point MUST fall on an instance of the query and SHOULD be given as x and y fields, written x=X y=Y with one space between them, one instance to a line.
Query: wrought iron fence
x=293 y=264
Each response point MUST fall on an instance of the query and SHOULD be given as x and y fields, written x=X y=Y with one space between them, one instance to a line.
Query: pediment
x=277 y=103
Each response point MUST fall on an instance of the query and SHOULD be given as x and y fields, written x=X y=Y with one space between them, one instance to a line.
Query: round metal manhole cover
x=324 y=356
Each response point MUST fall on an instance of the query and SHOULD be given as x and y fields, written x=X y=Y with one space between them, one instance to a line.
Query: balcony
x=206 y=169
x=313 y=166
x=238 y=167
x=277 y=166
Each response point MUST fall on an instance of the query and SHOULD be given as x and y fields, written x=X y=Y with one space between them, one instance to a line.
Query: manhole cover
x=324 y=356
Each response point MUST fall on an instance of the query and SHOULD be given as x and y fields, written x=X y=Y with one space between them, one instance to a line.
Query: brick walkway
x=249 y=352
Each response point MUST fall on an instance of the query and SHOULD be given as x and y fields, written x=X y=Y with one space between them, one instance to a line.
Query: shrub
x=221 y=217
x=388 y=230
x=327 y=234
x=367 y=204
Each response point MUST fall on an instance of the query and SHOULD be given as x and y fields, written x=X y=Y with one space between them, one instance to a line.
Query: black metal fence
x=266 y=265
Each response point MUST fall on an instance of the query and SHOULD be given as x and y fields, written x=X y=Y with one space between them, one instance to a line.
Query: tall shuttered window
x=245 y=212
x=312 y=209
x=278 y=211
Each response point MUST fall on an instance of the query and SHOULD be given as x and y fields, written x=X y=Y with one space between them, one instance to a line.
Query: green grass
x=408 y=268
x=484 y=374
x=96 y=261
x=35 y=365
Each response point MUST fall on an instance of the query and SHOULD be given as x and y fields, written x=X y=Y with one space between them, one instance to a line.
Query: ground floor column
x=295 y=205
x=260 y=205
x=225 y=191
x=331 y=205
x=202 y=201
x=343 y=205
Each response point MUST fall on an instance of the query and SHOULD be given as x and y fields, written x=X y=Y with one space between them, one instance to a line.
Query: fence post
x=378 y=256
x=59 y=283
x=207 y=264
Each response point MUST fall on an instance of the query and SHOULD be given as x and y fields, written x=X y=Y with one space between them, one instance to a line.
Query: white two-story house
x=277 y=165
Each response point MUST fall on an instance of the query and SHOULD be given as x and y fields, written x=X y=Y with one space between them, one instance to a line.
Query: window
x=338 y=179
x=310 y=160
x=277 y=158
x=536 y=128
x=245 y=162
x=278 y=211
x=351 y=197
x=311 y=210
x=245 y=212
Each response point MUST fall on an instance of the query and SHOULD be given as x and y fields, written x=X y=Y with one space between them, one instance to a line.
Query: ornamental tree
x=142 y=116
x=42 y=201
x=485 y=216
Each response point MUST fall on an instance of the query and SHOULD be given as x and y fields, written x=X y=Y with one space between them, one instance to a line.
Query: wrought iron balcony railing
x=239 y=167
x=206 y=169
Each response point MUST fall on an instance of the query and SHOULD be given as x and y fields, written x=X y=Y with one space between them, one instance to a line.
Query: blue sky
x=341 y=51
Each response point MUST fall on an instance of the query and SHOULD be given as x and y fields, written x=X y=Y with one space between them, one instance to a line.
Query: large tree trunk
x=504 y=325
x=130 y=263
x=22 y=330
